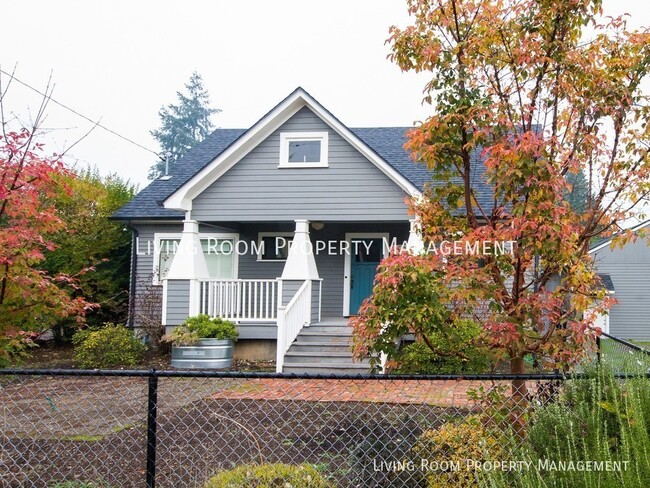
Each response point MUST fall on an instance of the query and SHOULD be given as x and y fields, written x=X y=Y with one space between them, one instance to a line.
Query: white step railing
x=291 y=319
x=240 y=300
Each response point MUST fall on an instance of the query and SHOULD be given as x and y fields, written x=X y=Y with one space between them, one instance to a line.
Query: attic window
x=303 y=150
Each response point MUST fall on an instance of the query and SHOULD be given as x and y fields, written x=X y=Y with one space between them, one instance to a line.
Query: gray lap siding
x=629 y=269
x=330 y=266
x=255 y=189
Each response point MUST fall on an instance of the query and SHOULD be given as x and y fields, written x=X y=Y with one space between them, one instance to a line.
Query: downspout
x=132 y=275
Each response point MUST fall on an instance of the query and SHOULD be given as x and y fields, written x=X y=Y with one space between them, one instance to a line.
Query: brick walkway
x=443 y=393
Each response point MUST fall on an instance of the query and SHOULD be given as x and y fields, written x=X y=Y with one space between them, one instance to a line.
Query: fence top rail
x=631 y=345
x=147 y=373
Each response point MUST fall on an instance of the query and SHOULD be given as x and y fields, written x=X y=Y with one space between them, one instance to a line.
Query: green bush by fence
x=597 y=435
x=269 y=476
x=113 y=345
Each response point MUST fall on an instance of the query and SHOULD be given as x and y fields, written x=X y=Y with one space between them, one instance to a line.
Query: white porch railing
x=240 y=300
x=291 y=319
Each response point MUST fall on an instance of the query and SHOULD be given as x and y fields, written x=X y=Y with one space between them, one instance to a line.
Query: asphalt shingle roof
x=387 y=142
x=606 y=281
x=147 y=204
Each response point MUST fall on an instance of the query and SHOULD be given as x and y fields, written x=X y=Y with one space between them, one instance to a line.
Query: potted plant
x=203 y=342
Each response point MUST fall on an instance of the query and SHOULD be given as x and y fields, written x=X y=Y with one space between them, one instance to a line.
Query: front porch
x=303 y=308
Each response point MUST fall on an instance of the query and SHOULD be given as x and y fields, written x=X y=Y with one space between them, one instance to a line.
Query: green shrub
x=455 y=443
x=14 y=347
x=269 y=476
x=418 y=358
x=599 y=412
x=598 y=419
x=112 y=345
x=202 y=327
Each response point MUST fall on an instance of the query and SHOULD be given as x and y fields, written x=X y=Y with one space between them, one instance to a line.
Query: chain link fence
x=622 y=356
x=177 y=429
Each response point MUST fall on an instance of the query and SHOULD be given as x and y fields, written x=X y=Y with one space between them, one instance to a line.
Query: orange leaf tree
x=524 y=93
x=30 y=298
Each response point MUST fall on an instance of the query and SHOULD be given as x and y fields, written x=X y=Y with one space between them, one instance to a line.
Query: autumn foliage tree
x=31 y=299
x=523 y=94
x=89 y=240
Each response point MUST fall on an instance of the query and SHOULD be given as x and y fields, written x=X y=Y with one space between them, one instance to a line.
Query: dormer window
x=303 y=150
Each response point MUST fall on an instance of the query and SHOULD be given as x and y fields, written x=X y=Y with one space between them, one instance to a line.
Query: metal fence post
x=152 y=411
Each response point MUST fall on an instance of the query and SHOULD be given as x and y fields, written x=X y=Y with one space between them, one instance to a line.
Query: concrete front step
x=324 y=348
x=315 y=347
x=318 y=357
x=331 y=368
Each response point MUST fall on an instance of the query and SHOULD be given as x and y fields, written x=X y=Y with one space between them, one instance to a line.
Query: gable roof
x=383 y=146
x=182 y=197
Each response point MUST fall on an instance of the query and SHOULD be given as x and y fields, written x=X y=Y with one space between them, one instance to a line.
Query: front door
x=365 y=255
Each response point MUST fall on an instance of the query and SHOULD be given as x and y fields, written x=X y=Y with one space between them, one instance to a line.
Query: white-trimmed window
x=303 y=150
x=218 y=250
x=273 y=246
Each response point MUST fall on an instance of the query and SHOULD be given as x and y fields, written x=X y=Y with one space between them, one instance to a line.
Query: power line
x=96 y=123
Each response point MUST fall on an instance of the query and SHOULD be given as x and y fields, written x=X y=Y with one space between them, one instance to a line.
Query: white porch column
x=301 y=264
x=300 y=267
x=189 y=264
x=415 y=244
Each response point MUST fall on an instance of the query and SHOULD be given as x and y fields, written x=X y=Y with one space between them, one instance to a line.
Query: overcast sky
x=121 y=61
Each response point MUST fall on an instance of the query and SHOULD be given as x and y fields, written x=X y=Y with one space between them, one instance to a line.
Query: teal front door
x=366 y=253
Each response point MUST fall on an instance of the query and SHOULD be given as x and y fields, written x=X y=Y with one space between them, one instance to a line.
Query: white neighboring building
x=626 y=270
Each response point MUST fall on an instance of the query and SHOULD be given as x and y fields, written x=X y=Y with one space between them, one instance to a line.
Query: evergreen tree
x=184 y=125
x=578 y=194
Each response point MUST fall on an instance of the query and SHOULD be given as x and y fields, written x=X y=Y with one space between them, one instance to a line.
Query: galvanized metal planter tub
x=207 y=354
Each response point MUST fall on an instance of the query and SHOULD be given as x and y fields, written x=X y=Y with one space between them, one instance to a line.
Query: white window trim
x=260 y=236
x=287 y=137
x=158 y=236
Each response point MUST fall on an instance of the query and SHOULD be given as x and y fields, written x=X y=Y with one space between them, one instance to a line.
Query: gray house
x=628 y=270
x=279 y=228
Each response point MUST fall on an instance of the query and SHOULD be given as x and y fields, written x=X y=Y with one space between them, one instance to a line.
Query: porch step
x=317 y=356
x=306 y=346
x=324 y=348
